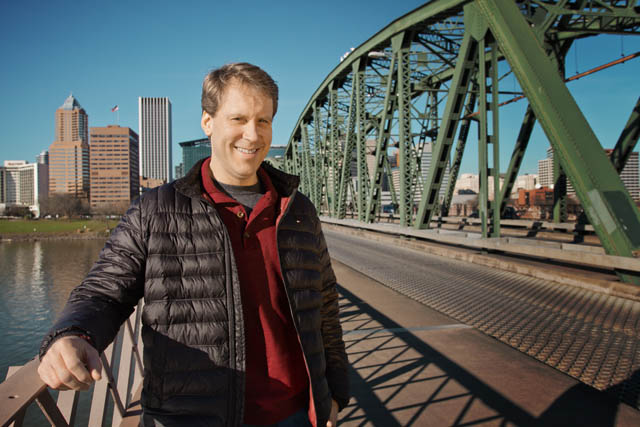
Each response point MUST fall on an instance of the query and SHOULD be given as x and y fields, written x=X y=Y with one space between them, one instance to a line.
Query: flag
x=114 y=109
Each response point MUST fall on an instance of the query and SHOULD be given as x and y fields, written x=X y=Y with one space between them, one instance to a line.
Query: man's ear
x=207 y=123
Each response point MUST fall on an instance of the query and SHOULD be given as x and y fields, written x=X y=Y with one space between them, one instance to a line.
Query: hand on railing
x=71 y=363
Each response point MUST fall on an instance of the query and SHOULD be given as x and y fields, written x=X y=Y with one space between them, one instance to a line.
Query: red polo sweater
x=277 y=383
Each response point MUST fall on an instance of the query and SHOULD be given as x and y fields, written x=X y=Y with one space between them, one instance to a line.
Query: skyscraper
x=629 y=174
x=42 y=160
x=115 y=178
x=69 y=152
x=19 y=185
x=193 y=151
x=154 y=120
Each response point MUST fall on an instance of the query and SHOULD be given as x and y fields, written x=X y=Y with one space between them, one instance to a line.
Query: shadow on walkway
x=399 y=380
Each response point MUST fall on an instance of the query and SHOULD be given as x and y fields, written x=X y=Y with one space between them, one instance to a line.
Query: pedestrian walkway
x=412 y=366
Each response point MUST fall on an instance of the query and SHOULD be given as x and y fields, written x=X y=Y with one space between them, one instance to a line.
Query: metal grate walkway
x=590 y=336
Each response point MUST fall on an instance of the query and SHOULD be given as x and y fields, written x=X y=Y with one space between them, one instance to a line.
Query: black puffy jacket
x=172 y=248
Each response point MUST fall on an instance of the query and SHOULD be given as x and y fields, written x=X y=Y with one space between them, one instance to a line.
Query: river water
x=35 y=281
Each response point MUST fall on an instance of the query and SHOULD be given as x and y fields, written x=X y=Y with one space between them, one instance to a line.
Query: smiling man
x=240 y=323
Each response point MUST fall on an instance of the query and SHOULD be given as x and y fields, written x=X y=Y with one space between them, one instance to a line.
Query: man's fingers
x=65 y=376
x=94 y=364
x=75 y=365
x=70 y=363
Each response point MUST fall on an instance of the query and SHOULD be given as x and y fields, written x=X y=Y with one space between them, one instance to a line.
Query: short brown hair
x=216 y=81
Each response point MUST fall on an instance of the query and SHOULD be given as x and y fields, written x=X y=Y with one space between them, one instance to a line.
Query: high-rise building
x=19 y=184
x=114 y=166
x=524 y=182
x=629 y=175
x=69 y=152
x=154 y=120
x=179 y=171
x=194 y=150
x=545 y=173
x=42 y=160
x=425 y=164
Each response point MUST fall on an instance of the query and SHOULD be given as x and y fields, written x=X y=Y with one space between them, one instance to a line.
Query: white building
x=525 y=182
x=467 y=181
x=425 y=164
x=629 y=175
x=19 y=185
x=154 y=123
x=545 y=172
x=471 y=181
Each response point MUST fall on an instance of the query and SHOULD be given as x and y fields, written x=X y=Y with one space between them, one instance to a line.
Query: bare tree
x=64 y=205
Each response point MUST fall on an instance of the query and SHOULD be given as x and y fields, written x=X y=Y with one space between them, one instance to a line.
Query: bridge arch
x=424 y=81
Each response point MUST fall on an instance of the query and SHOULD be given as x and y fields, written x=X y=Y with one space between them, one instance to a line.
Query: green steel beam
x=559 y=192
x=318 y=159
x=334 y=150
x=307 y=180
x=608 y=205
x=516 y=157
x=465 y=126
x=400 y=45
x=454 y=108
x=384 y=130
x=394 y=197
x=494 y=139
x=488 y=150
x=627 y=140
x=361 y=157
x=345 y=170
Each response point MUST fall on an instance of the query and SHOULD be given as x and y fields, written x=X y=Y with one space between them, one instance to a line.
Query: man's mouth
x=246 y=150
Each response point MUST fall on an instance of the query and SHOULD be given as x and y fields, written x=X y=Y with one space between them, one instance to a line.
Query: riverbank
x=54 y=229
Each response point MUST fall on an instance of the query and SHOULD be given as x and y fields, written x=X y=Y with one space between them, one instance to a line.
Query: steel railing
x=121 y=383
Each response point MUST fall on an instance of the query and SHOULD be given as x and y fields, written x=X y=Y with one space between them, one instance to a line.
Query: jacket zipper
x=235 y=404
x=293 y=317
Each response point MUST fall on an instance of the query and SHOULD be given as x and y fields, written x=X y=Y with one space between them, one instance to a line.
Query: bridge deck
x=432 y=358
x=411 y=365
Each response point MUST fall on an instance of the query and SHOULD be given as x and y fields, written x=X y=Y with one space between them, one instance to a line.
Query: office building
x=69 y=152
x=628 y=176
x=179 y=171
x=42 y=160
x=193 y=151
x=19 y=185
x=154 y=120
x=524 y=182
x=114 y=167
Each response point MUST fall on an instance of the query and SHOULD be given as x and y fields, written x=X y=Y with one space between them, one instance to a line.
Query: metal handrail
x=121 y=378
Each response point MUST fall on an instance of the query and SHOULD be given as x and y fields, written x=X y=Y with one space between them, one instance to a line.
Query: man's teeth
x=246 y=151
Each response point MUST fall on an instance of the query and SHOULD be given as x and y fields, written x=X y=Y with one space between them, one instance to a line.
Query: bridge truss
x=425 y=80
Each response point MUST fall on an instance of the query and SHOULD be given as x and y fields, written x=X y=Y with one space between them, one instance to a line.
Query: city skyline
x=168 y=55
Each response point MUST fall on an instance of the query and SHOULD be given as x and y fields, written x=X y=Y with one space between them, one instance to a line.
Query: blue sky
x=109 y=53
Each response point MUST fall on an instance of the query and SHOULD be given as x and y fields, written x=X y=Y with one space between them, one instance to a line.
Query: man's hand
x=333 y=418
x=71 y=363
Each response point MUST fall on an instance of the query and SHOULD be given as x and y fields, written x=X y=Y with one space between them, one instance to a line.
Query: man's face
x=240 y=134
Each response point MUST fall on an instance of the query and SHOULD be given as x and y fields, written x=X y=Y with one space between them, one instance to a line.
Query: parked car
x=510 y=213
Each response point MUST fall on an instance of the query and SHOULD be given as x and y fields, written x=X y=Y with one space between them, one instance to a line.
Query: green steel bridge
x=427 y=78
x=432 y=75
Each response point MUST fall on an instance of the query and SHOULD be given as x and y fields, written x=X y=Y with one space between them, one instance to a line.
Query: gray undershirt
x=246 y=195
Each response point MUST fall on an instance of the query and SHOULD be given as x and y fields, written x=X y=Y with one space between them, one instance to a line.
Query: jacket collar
x=191 y=184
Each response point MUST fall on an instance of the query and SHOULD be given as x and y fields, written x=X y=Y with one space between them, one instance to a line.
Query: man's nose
x=250 y=131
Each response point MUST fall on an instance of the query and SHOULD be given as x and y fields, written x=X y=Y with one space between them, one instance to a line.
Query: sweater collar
x=191 y=184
